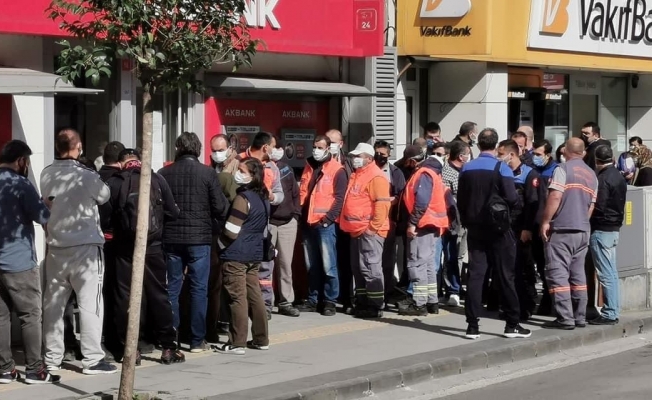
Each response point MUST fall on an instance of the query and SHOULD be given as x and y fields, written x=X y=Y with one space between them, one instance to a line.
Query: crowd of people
x=376 y=236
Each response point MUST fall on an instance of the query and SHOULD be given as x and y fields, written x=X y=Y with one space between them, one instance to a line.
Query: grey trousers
x=265 y=275
x=21 y=292
x=367 y=267
x=421 y=267
x=389 y=260
x=285 y=237
x=565 y=255
x=79 y=269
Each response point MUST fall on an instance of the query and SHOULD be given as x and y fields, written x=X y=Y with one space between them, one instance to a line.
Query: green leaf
x=90 y=72
x=106 y=71
x=95 y=79
x=150 y=37
x=160 y=56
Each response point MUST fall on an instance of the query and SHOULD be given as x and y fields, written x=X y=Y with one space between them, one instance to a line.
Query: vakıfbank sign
x=617 y=27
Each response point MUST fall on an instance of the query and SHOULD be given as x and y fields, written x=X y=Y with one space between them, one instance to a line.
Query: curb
x=113 y=395
x=392 y=379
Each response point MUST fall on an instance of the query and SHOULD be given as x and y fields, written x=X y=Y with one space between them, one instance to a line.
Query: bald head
x=68 y=144
x=335 y=136
x=529 y=133
x=219 y=143
x=574 y=148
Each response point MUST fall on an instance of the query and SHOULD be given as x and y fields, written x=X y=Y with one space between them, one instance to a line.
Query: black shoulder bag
x=497 y=208
x=269 y=251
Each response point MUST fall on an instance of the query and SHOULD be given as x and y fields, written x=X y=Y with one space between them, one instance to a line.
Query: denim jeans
x=198 y=260
x=438 y=253
x=319 y=246
x=450 y=246
x=603 y=250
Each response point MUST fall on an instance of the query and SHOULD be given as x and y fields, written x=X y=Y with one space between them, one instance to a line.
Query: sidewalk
x=313 y=350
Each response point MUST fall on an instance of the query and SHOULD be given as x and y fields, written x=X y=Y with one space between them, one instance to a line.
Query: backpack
x=497 y=208
x=128 y=206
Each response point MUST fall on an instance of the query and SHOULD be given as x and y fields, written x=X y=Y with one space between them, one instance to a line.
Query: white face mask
x=335 y=149
x=220 y=156
x=277 y=154
x=241 y=179
x=358 y=162
x=319 y=154
x=466 y=158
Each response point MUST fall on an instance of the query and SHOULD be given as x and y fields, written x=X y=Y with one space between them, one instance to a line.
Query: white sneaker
x=53 y=367
x=230 y=349
x=454 y=300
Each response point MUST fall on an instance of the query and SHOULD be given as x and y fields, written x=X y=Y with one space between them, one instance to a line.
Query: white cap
x=363 y=148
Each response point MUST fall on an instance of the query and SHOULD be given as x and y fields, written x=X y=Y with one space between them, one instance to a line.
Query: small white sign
x=299 y=136
x=242 y=129
x=445 y=8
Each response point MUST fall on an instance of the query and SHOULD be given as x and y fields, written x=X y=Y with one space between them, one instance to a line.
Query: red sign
x=347 y=28
x=245 y=117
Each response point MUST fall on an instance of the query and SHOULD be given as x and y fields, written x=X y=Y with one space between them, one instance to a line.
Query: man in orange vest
x=365 y=216
x=322 y=190
x=425 y=199
x=261 y=148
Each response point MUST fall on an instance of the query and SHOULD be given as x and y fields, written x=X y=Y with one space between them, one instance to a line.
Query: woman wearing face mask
x=241 y=251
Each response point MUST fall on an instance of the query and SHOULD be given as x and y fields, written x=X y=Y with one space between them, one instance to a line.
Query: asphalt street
x=620 y=376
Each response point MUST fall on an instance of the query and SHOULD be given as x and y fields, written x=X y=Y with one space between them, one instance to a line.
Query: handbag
x=497 y=208
x=269 y=250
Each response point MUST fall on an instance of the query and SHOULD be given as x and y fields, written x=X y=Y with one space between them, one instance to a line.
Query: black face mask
x=380 y=159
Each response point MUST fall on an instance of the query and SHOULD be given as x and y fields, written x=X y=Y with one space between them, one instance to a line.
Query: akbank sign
x=616 y=27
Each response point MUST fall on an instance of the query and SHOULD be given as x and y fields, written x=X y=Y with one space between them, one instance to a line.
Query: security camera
x=635 y=79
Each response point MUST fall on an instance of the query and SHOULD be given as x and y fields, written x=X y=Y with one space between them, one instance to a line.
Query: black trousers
x=344 y=267
x=525 y=276
x=155 y=306
x=539 y=257
x=498 y=251
x=111 y=339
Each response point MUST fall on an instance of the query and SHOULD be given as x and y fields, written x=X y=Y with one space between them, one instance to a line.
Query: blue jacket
x=248 y=246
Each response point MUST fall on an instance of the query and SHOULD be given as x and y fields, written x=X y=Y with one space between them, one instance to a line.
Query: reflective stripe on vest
x=358 y=208
x=436 y=214
x=323 y=194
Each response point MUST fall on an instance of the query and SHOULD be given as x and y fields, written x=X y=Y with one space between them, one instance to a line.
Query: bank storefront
x=549 y=64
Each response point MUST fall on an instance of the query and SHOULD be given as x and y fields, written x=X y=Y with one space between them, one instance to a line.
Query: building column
x=468 y=91
x=639 y=111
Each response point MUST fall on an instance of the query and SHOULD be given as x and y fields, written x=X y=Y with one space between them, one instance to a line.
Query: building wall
x=468 y=91
x=640 y=109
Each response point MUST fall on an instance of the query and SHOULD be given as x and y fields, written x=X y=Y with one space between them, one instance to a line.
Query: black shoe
x=580 y=324
x=603 y=321
x=368 y=313
x=405 y=303
x=307 y=306
x=472 y=332
x=172 y=356
x=145 y=347
x=414 y=310
x=557 y=325
x=100 y=368
x=9 y=377
x=329 y=310
x=433 y=308
x=288 y=310
x=517 y=332
x=42 y=376
x=269 y=315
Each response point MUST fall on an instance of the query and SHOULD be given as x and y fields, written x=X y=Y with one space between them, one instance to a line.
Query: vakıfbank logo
x=445 y=8
x=555 y=17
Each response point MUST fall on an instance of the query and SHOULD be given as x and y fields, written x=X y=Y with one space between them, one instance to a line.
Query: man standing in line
x=592 y=139
x=75 y=258
x=187 y=240
x=521 y=140
x=529 y=134
x=565 y=229
x=454 y=240
x=111 y=167
x=606 y=221
x=20 y=283
x=365 y=217
x=397 y=184
x=283 y=226
x=343 y=239
x=468 y=134
x=261 y=149
x=485 y=196
x=322 y=190
x=224 y=160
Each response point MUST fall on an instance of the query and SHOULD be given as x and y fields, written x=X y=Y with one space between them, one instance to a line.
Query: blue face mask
x=539 y=161
x=430 y=143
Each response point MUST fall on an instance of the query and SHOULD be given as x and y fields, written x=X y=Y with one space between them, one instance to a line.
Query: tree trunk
x=140 y=247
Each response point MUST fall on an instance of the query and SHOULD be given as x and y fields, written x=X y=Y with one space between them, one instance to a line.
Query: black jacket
x=290 y=206
x=106 y=173
x=170 y=209
x=610 y=205
x=589 y=158
x=198 y=194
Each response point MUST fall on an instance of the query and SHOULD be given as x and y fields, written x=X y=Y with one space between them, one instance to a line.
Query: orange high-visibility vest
x=268 y=174
x=358 y=208
x=436 y=215
x=323 y=194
